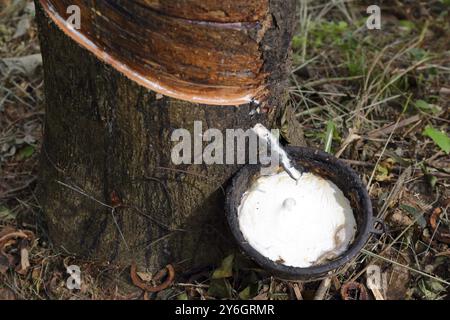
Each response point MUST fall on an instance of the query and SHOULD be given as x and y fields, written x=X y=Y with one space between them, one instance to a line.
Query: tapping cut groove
x=204 y=52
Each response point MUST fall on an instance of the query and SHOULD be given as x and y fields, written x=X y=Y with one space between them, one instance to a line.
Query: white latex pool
x=297 y=223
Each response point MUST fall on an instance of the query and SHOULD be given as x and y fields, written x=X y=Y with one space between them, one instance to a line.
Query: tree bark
x=107 y=185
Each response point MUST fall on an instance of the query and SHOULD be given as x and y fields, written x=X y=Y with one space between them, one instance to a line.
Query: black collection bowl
x=328 y=167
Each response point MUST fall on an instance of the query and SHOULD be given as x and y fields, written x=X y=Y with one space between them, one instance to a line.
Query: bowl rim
x=314 y=271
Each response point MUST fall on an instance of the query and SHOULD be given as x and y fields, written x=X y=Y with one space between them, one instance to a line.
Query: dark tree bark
x=108 y=144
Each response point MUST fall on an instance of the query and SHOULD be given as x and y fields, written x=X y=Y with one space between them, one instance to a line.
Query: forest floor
x=378 y=99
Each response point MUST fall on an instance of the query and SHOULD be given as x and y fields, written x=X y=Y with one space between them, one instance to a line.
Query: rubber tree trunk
x=108 y=187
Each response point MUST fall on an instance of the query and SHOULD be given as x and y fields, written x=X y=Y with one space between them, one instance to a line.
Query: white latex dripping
x=274 y=144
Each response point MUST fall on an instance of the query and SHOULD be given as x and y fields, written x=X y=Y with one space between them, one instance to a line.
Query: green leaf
x=417 y=215
x=439 y=137
x=407 y=25
x=220 y=288
x=26 y=152
x=427 y=107
x=342 y=25
x=432 y=180
x=297 y=59
x=183 y=296
x=249 y=292
x=431 y=289
x=6 y=214
x=226 y=269
x=421 y=104
x=246 y=294
x=297 y=42
x=418 y=53
x=382 y=174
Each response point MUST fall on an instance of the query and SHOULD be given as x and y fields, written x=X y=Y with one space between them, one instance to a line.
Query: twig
x=392 y=127
x=331 y=80
x=323 y=289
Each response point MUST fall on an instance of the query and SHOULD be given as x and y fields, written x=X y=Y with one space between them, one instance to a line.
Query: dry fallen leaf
x=24 y=261
x=25 y=65
x=22 y=27
x=146 y=287
x=12 y=242
x=354 y=291
x=7 y=294
x=145 y=276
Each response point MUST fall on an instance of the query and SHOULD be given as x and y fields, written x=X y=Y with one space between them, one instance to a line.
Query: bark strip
x=193 y=58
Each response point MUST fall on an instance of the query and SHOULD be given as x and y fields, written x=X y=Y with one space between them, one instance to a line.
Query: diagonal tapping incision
x=163 y=45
